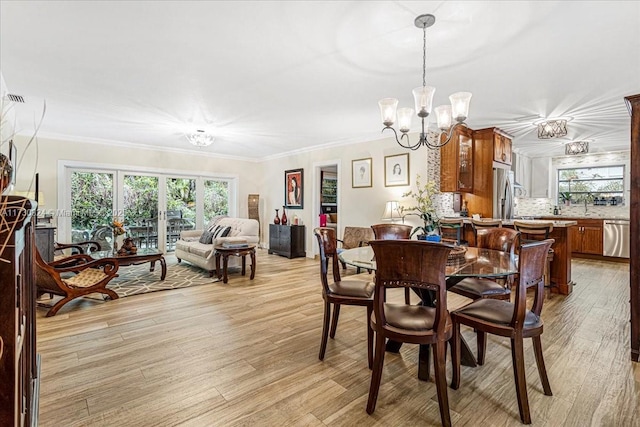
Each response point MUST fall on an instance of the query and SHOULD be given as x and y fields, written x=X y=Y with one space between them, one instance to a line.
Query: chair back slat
x=532 y=259
x=391 y=231
x=411 y=263
x=327 y=246
x=534 y=231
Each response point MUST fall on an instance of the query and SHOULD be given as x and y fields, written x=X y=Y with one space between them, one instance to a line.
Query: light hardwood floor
x=246 y=353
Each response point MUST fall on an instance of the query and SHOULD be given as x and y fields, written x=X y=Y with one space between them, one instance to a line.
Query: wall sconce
x=392 y=211
x=576 y=147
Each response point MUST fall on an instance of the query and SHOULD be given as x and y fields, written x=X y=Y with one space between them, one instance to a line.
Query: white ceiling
x=268 y=78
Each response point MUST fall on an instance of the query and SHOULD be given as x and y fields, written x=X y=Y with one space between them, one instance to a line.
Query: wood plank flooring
x=246 y=353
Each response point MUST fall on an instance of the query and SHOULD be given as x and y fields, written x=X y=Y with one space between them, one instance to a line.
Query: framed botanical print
x=396 y=170
x=293 y=188
x=361 y=175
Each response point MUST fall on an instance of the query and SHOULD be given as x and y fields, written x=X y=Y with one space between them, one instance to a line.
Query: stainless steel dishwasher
x=616 y=238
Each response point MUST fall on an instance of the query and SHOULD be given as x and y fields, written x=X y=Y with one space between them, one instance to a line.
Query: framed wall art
x=361 y=174
x=294 y=188
x=396 y=170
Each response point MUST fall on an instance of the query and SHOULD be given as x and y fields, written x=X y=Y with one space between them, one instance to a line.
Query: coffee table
x=225 y=253
x=141 y=257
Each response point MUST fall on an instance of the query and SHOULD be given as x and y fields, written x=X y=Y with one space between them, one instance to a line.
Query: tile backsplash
x=544 y=206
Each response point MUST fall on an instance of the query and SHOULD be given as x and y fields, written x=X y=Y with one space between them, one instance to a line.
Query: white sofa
x=189 y=248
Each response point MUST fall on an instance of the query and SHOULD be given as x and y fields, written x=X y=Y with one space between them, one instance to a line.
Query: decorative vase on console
x=284 y=217
x=276 y=220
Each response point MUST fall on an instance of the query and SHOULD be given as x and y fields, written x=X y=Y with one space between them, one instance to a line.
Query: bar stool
x=451 y=230
x=530 y=232
x=479 y=224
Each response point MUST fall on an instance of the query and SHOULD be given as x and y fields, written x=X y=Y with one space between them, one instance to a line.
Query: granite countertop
x=587 y=216
x=556 y=223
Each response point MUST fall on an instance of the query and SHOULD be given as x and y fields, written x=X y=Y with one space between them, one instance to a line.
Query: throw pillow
x=206 y=237
x=220 y=231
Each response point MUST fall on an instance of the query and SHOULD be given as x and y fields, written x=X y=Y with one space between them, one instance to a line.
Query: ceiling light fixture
x=576 y=147
x=552 y=128
x=459 y=108
x=200 y=138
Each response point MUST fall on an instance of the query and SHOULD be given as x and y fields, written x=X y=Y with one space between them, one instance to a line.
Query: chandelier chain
x=424 y=56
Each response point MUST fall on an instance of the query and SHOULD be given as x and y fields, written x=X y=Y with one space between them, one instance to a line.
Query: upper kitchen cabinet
x=457 y=162
x=540 y=167
x=501 y=147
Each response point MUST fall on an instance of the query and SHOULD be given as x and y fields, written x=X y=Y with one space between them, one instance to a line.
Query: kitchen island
x=560 y=274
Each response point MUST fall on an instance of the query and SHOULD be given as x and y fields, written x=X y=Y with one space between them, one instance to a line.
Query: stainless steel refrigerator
x=503 y=186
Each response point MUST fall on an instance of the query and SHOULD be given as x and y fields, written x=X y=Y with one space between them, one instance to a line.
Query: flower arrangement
x=424 y=206
x=118 y=227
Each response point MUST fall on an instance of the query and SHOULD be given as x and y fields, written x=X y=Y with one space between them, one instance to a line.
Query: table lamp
x=392 y=211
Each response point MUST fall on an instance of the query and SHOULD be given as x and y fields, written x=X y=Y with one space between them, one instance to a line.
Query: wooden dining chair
x=534 y=231
x=512 y=320
x=340 y=292
x=499 y=239
x=478 y=224
x=394 y=232
x=417 y=264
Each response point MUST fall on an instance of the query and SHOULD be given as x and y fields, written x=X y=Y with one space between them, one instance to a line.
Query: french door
x=154 y=207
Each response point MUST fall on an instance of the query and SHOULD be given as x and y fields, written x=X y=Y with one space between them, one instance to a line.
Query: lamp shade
x=388 y=110
x=423 y=97
x=460 y=105
x=391 y=211
x=405 y=115
x=443 y=116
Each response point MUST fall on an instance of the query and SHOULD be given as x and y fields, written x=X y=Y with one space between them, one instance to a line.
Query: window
x=597 y=185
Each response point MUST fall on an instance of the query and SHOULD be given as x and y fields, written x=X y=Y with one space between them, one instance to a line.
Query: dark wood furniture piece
x=394 y=232
x=479 y=224
x=512 y=320
x=498 y=239
x=45 y=241
x=476 y=262
x=74 y=248
x=73 y=277
x=142 y=256
x=19 y=361
x=354 y=237
x=411 y=264
x=587 y=237
x=287 y=240
x=339 y=292
x=457 y=162
x=633 y=103
x=225 y=253
x=537 y=231
x=451 y=230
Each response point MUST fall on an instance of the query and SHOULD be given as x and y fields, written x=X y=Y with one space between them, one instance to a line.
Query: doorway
x=326 y=195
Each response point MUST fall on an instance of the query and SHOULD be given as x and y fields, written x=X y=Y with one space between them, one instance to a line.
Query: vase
x=276 y=220
x=284 y=217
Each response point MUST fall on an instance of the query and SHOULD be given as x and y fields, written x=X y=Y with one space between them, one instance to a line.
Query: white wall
x=357 y=206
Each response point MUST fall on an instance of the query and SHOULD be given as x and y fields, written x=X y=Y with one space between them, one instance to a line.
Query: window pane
x=216 y=199
x=91 y=207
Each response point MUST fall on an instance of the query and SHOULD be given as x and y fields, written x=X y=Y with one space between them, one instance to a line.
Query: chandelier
x=552 y=128
x=423 y=96
x=576 y=147
x=200 y=138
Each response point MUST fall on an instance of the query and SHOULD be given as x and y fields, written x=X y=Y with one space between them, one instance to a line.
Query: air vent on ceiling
x=15 y=98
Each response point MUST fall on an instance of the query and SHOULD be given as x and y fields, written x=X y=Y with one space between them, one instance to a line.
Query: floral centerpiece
x=424 y=206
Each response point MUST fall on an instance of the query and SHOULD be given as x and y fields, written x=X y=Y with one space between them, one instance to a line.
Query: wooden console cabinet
x=19 y=363
x=287 y=240
x=45 y=240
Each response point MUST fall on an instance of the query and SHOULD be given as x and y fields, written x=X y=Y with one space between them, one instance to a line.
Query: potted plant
x=565 y=196
x=424 y=207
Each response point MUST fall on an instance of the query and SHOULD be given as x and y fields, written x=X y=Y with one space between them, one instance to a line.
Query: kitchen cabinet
x=540 y=169
x=501 y=147
x=287 y=240
x=457 y=162
x=587 y=236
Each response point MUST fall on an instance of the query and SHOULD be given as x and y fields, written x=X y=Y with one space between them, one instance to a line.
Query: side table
x=225 y=253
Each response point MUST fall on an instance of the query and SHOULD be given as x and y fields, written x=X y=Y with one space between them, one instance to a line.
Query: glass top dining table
x=473 y=262
x=463 y=262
